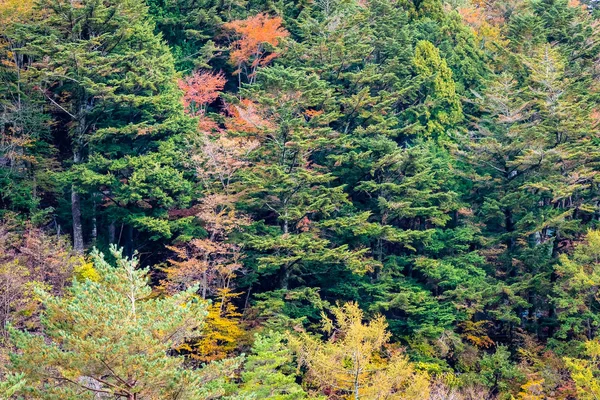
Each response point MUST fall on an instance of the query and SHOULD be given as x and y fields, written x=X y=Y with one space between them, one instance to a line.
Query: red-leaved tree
x=200 y=89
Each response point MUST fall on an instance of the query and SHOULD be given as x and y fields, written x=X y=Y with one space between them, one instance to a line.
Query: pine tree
x=109 y=337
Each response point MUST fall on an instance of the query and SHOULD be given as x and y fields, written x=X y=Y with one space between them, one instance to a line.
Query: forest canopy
x=328 y=199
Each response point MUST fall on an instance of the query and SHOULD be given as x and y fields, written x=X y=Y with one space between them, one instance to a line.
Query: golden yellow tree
x=355 y=362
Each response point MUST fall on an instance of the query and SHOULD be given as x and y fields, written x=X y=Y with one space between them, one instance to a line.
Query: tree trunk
x=94 y=221
x=76 y=208
x=286 y=273
x=129 y=241
x=111 y=232
x=77 y=158
x=510 y=227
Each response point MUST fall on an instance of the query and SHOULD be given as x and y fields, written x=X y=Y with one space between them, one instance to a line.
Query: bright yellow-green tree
x=585 y=372
x=355 y=363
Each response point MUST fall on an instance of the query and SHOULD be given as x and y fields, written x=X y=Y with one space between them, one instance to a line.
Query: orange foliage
x=28 y=258
x=475 y=332
x=200 y=89
x=485 y=22
x=577 y=4
x=211 y=262
x=310 y=113
x=207 y=125
x=246 y=117
x=258 y=37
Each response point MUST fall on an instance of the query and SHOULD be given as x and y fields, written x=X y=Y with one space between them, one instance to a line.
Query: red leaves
x=200 y=89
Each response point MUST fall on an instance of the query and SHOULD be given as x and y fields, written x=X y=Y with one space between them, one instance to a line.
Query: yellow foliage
x=532 y=390
x=85 y=270
x=475 y=332
x=487 y=34
x=15 y=11
x=355 y=362
x=221 y=334
x=585 y=372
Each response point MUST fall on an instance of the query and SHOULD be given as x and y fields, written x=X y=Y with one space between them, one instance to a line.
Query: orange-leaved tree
x=256 y=44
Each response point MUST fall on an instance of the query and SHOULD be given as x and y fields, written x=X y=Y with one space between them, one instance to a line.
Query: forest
x=300 y=199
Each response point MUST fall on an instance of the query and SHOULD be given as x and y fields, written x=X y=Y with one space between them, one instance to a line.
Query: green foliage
x=441 y=108
x=434 y=162
x=576 y=290
x=108 y=336
x=497 y=371
x=268 y=371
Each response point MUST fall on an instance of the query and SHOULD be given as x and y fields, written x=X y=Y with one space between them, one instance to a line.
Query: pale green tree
x=110 y=337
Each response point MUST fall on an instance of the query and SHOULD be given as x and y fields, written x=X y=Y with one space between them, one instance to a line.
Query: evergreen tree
x=106 y=336
x=578 y=279
x=287 y=184
x=110 y=83
x=267 y=371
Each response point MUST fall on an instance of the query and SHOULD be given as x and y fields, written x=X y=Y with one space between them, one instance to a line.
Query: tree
x=200 y=89
x=576 y=290
x=268 y=372
x=110 y=337
x=257 y=45
x=287 y=185
x=31 y=258
x=27 y=161
x=585 y=371
x=355 y=363
x=441 y=107
x=109 y=82
x=497 y=371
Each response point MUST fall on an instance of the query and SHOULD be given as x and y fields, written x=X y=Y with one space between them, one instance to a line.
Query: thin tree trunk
x=76 y=208
x=285 y=277
x=94 y=221
x=112 y=231
x=76 y=212
x=75 y=197
x=129 y=241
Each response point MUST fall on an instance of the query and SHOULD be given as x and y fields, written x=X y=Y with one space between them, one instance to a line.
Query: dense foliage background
x=374 y=199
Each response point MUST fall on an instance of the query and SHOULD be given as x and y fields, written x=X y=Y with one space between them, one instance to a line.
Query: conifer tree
x=287 y=180
x=110 y=83
x=576 y=288
x=440 y=108
x=108 y=337
x=352 y=363
x=28 y=160
x=268 y=373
